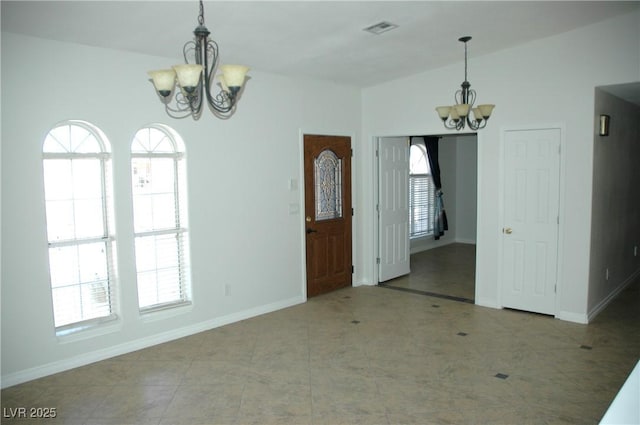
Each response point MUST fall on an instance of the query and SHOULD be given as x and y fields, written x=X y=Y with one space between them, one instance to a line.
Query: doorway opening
x=445 y=267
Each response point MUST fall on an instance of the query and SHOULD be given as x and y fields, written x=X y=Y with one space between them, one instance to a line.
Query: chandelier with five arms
x=455 y=117
x=195 y=79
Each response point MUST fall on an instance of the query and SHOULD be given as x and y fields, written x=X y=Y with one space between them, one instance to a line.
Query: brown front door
x=327 y=185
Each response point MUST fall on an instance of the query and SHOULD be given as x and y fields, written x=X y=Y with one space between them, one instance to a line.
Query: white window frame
x=107 y=235
x=179 y=227
x=420 y=182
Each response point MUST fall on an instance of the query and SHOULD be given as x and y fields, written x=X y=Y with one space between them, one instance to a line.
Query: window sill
x=89 y=330
x=166 y=312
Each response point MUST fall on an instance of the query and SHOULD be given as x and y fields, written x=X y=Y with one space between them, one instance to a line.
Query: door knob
x=507 y=230
x=309 y=230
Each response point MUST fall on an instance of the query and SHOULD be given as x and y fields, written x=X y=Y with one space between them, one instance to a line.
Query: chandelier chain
x=201 y=15
x=465 y=61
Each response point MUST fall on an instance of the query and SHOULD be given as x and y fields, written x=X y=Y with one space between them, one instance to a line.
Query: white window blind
x=80 y=232
x=421 y=193
x=160 y=218
x=421 y=205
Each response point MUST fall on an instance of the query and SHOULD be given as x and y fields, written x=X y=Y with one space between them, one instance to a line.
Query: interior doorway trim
x=375 y=140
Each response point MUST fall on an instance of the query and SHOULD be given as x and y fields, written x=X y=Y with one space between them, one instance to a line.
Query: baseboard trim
x=605 y=302
x=141 y=343
x=488 y=302
x=466 y=241
x=569 y=316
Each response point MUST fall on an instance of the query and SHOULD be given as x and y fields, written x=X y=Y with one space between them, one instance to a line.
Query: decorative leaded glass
x=328 y=183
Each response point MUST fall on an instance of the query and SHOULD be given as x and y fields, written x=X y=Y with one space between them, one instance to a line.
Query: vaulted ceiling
x=311 y=39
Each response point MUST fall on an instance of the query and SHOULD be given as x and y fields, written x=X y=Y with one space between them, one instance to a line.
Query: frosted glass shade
x=477 y=115
x=486 y=110
x=443 y=111
x=454 y=114
x=223 y=83
x=163 y=80
x=233 y=75
x=462 y=109
x=188 y=75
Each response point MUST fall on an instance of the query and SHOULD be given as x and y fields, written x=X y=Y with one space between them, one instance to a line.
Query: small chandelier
x=458 y=114
x=195 y=79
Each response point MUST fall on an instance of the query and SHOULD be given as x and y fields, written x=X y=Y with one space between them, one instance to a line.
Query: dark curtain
x=440 y=214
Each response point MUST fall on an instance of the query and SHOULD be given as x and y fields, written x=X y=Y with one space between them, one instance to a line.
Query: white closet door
x=530 y=230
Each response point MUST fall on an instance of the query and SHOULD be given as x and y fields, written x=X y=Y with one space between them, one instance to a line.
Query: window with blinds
x=80 y=231
x=421 y=193
x=160 y=218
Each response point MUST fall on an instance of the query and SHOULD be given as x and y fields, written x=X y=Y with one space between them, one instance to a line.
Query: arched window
x=421 y=193
x=80 y=231
x=160 y=218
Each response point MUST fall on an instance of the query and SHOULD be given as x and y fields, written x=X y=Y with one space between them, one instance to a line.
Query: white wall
x=242 y=234
x=466 y=192
x=549 y=81
x=615 y=227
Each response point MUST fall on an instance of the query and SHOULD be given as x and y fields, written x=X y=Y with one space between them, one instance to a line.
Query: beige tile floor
x=449 y=270
x=366 y=355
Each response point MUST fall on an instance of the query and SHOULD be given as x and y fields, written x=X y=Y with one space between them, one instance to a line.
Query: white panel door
x=530 y=228
x=393 y=207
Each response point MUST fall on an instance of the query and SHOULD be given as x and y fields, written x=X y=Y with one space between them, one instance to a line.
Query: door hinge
x=378 y=260
x=352 y=269
x=377 y=153
x=352 y=152
x=351 y=212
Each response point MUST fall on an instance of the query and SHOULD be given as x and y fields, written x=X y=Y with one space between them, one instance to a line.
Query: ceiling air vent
x=381 y=27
